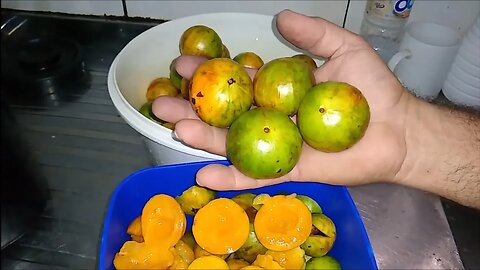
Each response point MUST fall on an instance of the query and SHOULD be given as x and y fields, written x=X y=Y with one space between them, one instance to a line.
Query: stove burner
x=38 y=55
x=42 y=68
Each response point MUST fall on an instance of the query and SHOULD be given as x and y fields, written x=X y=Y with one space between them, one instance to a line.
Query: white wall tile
x=331 y=10
x=457 y=14
x=92 y=7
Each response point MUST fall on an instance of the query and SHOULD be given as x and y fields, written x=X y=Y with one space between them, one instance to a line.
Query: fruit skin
x=194 y=198
x=264 y=143
x=201 y=40
x=161 y=87
x=225 y=52
x=325 y=262
x=175 y=78
x=307 y=60
x=237 y=264
x=220 y=90
x=322 y=238
x=146 y=110
x=333 y=116
x=281 y=84
x=251 y=248
x=312 y=205
x=185 y=89
x=249 y=60
x=245 y=200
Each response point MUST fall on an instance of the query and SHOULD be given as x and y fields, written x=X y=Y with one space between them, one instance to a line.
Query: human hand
x=378 y=156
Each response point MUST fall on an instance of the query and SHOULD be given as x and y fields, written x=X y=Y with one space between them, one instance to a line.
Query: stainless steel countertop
x=85 y=149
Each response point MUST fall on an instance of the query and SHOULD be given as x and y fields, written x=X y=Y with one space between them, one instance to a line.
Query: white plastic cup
x=425 y=55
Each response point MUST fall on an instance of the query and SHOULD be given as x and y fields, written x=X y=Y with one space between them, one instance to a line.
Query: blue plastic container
x=352 y=247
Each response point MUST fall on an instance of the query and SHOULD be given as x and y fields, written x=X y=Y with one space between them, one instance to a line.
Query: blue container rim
x=113 y=197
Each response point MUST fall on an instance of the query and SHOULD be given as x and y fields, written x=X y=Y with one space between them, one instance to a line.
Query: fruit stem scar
x=266 y=130
x=231 y=81
x=321 y=110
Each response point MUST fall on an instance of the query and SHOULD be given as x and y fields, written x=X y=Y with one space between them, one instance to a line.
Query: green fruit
x=307 y=60
x=312 y=205
x=201 y=40
x=185 y=89
x=322 y=237
x=225 y=52
x=161 y=86
x=245 y=200
x=249 y=60
x=333 y=116
x=189 y=239
x=251 y=248
x=146 y=110
x=325 y=262
x=281 y=84
x=263 y=143
x=195 y=198
x=175 y=78
x=259 y=200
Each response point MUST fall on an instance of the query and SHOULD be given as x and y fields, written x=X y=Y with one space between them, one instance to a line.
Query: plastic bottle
x=383 y=24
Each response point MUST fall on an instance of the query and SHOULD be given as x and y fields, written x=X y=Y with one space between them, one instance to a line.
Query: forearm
x=443 y=152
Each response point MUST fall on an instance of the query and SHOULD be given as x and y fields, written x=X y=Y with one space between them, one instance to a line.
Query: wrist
x=417 y=114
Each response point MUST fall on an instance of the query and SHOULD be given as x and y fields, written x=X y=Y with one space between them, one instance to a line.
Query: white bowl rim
x=136 y=120
x=140 y=123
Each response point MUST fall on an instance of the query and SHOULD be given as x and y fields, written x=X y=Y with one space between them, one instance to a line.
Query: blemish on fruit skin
x=231 y=81
x=193 y=101
x=266 y=130
x=321 y=110
x=199 y=94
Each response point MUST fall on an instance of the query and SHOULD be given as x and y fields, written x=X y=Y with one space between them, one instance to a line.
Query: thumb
x=316 y=35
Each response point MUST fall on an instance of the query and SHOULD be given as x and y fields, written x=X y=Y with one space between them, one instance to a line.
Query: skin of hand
x=380 y=156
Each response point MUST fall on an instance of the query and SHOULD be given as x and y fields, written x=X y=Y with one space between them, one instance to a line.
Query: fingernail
x=175 y=136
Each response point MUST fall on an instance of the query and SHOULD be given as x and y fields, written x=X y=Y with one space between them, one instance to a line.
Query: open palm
x=376 y=157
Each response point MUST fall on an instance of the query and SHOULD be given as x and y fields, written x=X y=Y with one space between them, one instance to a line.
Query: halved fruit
x=291 y=259
x=283 y=223
x=135 y=229
x=267 y=262
x=134 y=255
x=209 y=262
x=163 y=221
x=221 y=226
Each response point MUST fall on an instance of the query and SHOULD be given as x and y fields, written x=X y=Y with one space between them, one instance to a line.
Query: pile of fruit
x=263 y=141
x=247 y=231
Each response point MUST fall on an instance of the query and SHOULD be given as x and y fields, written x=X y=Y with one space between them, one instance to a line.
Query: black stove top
x=54 y=73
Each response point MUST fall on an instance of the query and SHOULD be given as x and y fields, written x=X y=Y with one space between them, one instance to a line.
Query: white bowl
x=458 y=97
x=149 y=55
